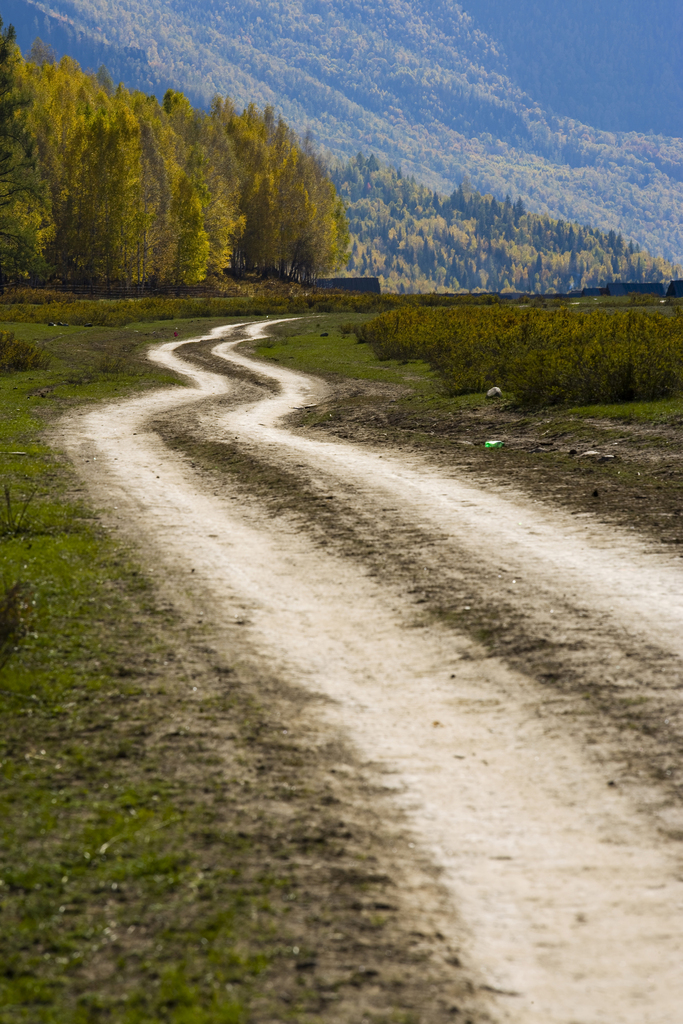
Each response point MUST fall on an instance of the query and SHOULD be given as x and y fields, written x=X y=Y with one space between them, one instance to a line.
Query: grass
x=107 y=913
x=661 y=411
x=90 y=842
x=342 y=354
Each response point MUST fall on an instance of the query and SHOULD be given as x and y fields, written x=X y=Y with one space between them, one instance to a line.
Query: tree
x=41 y=53
x=22 y=196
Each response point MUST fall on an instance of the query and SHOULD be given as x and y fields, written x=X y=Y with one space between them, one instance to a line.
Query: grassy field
x=91 y=840
x=145 y=875
x=317 y=345
x=109 y=911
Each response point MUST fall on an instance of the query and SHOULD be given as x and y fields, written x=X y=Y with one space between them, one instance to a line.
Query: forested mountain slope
x=615 y=65
x=418 y=82
x=414 y=239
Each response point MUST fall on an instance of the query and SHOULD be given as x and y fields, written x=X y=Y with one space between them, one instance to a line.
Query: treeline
x=414 y=239
x=538 y=357
x=110 y=186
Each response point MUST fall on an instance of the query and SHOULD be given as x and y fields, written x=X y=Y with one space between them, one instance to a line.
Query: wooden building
x=351 y=284
x=621 y=288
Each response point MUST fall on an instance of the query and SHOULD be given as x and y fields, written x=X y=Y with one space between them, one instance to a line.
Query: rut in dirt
x=570 y=888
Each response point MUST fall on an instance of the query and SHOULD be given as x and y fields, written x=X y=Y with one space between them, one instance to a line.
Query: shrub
x=118 y=312
x=541 y=357
x=39 y=296
x=20 y=355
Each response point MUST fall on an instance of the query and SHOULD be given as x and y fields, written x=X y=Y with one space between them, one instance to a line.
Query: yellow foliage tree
x=145 y=194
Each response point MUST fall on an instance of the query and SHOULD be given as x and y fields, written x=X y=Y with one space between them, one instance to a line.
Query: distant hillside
x=425 y=84
x=615 y=65
x=416 y=240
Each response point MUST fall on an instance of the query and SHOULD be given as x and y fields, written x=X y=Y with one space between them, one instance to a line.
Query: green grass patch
x=342 y=354
x=108 y=911
x=665 y=410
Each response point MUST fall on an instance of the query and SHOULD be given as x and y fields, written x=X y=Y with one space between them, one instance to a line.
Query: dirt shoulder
x=635 y=468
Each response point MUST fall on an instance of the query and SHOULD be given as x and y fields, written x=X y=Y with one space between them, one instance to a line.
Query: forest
x=416 y=240
x=502 y=93
x=102 y=185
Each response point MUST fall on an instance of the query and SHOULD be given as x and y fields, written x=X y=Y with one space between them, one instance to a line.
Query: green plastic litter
x=494 y=444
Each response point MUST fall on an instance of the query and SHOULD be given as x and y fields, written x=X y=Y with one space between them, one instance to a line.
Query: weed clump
x=13 y=517
x=20 y=355
x=541 y=357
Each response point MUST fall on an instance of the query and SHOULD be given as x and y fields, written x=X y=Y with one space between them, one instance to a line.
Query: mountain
x=441 y=89
x=615 y=65
x=416 y=240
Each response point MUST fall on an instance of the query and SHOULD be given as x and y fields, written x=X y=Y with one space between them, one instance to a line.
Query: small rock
x=494 y=393
x=587 y=454
x=596 y=493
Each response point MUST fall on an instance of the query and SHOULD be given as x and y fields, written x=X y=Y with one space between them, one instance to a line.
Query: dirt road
x=559 y=849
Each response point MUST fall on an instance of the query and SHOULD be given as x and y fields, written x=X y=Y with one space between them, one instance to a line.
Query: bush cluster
x=537 y=356
x=20 y=355
x=116 y=313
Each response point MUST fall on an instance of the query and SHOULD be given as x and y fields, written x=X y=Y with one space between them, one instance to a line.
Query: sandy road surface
x=570 y=893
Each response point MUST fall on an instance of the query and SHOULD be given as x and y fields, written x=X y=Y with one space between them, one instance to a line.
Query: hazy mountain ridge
x=419 y=84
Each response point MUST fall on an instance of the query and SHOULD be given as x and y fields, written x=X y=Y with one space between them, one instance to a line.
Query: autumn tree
x=145 y=194
x=22 y=195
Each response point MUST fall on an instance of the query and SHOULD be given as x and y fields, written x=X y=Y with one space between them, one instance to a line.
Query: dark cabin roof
x=675 y=290
x=351 y=284
x=616 y=288
x=591 y=293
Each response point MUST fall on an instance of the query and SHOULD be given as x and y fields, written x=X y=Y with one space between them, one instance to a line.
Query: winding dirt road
x=570 y=887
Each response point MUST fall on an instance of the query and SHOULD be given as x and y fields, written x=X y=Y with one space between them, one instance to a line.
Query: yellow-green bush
x=116 y=313
x=20 y=355
x=539 y=357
